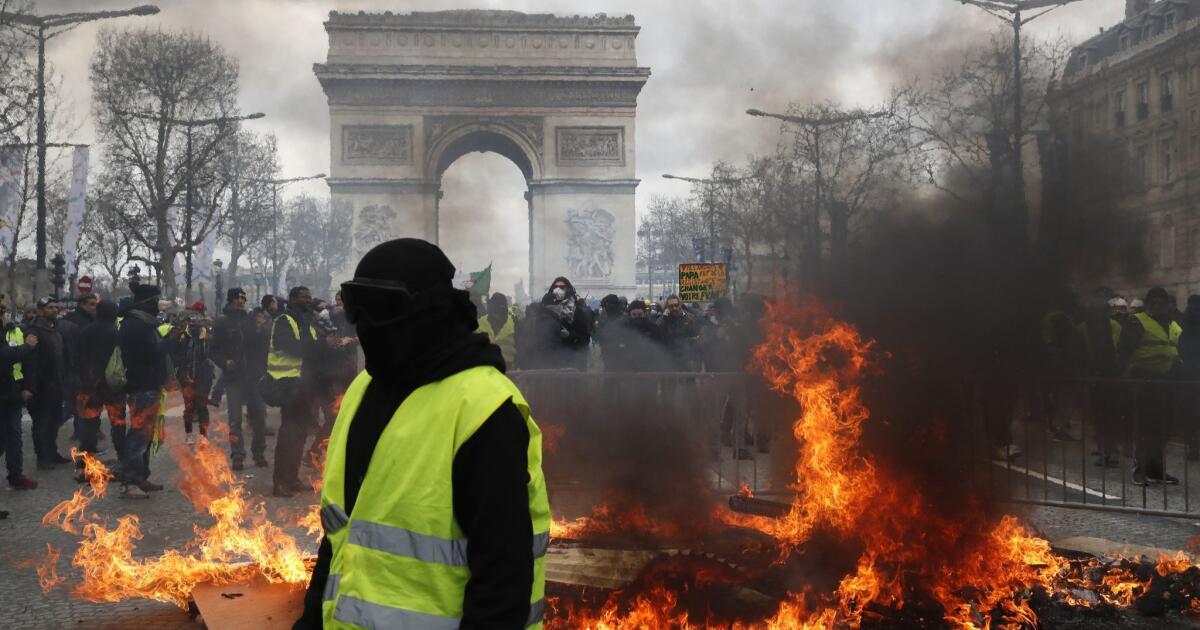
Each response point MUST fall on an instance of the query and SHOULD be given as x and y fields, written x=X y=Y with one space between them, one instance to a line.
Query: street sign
x=84 y=285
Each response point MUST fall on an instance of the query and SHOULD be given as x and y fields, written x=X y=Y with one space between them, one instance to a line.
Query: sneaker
x=3 y=514
x=282 y=492
x=60 y=459
x=150 y=486
x=238 y=464
x=191 y=440
x=1139 y=479
x=214 y=402
x=261 y=461
x=22 y=483
x=1164 y=479
x=133 y=492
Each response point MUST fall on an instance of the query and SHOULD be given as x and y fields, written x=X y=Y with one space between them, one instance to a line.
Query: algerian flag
x=481 y=282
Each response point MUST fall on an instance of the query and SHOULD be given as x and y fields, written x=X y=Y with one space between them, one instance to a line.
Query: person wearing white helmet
x=1136 y=306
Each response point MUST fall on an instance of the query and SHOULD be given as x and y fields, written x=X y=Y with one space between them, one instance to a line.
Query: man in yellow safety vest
x=16 y=353
x=1148 y=351
x=434 y=505
x=499 y=325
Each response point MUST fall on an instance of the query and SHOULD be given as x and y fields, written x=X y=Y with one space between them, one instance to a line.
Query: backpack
x=114 y=372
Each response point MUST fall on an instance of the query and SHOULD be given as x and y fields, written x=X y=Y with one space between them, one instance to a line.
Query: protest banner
x=702 y=282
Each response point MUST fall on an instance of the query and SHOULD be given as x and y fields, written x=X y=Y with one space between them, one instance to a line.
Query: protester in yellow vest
x=1149 y=352
x=434 y=505
x=294 y=345
x=17 y=349
x=499 y=325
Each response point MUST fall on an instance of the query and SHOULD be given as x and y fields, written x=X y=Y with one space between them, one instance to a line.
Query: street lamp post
x=275 y=184
x=189 y=125
x=710 y=254
x=1010 y=12
x=42 y=28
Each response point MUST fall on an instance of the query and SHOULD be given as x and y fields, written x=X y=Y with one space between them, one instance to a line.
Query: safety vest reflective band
x=280 y=364
x=505 y=338
x=164 y=330
x=16 y=339
x=400 y=558
x=1159 y=349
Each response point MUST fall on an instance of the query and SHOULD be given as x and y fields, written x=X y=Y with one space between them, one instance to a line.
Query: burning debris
x=860 y=545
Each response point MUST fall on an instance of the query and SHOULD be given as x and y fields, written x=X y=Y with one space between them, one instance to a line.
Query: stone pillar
x=384 y=210
x=584 y=230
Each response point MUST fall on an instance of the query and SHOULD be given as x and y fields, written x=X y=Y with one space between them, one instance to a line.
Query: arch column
x=579 y=229
x=383 y=210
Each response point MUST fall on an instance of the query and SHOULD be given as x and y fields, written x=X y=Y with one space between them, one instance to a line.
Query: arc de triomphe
x=411 y=93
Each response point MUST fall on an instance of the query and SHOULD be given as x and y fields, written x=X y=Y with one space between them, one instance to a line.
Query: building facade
x=1136 y=88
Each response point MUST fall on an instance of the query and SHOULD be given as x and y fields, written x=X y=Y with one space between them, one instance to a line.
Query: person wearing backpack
x=96 y=344
x=144 y=356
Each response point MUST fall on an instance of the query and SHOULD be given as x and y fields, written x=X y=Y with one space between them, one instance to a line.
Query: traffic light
x=135 y=276
x=59 y=276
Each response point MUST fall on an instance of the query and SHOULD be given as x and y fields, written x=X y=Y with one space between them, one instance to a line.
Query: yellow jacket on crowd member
x=505 y=338
x=280 y=364
x=1158 y=350
x=400 y=558
x=16 y=339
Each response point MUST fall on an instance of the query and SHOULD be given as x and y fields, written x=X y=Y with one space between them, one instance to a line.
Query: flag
x=76 y=198
x=481 y=281
x=12 y=165
x=203 y=271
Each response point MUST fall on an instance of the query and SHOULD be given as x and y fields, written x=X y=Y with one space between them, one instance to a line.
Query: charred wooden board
x=257 y=605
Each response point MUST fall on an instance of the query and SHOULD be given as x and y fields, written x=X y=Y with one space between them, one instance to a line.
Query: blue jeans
x=10 y=438
x=135 y=464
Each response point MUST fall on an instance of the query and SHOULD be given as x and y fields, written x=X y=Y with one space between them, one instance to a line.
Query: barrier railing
x=1109 y=444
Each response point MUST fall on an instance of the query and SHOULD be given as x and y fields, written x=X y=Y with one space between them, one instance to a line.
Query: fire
x=241 y=544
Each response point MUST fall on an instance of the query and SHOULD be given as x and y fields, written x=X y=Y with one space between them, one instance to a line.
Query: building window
x=1195 y=82
x=1166 y=83
x=1141 y=166
x=1168 y=160
x=1147 y=32
x=1169 y=22
x=1143 y=103
x=1194 y=150
x=1118 y=105
x=1124 y=42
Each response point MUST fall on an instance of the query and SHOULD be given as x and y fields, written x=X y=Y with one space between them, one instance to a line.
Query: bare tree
x=253 y=161
x=18 y=89
x=161 y=77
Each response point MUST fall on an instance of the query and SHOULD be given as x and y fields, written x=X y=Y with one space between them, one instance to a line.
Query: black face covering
x=400 y=351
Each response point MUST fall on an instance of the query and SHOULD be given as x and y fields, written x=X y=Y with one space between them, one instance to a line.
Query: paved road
x=167 y=520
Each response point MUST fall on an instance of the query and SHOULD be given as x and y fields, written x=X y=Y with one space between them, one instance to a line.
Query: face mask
x=559 y=293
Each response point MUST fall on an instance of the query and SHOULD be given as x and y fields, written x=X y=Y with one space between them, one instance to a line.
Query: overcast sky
x=710 y=59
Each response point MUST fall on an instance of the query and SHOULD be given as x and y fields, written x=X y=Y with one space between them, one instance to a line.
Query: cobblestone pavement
x=166 y=518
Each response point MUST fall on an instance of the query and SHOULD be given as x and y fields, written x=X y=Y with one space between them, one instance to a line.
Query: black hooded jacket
x=490 y=470
x=97 y=341
x=236 y=338
x=10 y=387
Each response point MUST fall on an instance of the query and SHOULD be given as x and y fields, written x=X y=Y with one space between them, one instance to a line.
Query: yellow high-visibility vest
x=280 y=364
x=505 y=338
x=16 y=339
x=400 y=557
x=1159 y=349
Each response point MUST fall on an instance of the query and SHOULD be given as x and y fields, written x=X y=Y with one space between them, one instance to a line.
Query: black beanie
x=145 y=292
x=1157 y=293
x=419 y=264
x=233 y=292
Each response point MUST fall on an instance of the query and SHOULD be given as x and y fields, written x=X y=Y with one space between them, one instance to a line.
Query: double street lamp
x=275 y=184
x=42 y=28
x=709 y=183
x=189 y=125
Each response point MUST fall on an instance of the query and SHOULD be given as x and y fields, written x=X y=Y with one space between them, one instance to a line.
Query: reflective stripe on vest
x=400 y=558
x=280 y=364
x=164 y=330
x=16 y=339
x=1159 y=349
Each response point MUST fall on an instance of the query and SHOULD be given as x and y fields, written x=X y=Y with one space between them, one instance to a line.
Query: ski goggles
x=375 y=302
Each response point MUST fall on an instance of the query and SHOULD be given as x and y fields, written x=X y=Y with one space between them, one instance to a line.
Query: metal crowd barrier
x=605 y=430
x=1079 y=440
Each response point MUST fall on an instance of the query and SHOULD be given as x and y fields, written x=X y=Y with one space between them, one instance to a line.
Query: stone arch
x=411 y=93
x=482 y=135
